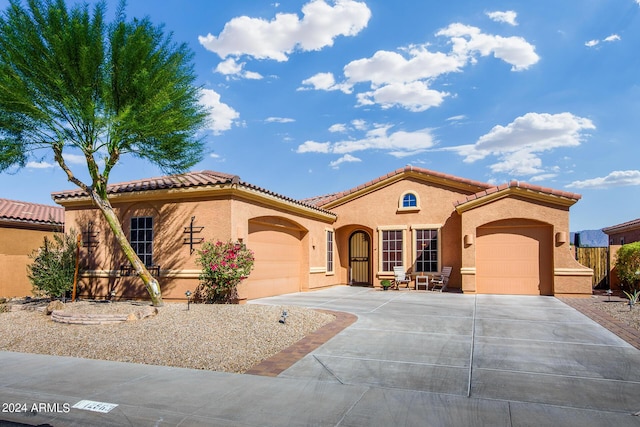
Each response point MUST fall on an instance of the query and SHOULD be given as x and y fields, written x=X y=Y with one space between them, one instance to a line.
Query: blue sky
x=318 y=96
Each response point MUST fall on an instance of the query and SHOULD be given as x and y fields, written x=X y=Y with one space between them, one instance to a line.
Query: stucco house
x=23 y=227
x=508 y=239
x=620 y=234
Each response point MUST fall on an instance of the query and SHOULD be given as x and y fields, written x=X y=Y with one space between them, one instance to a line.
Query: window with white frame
x=427 y=250
x=141 y=238
x=409 y=200
x=392 y=244
x=329 y=251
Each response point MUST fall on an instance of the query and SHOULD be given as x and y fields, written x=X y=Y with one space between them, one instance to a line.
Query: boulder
x=54 y=305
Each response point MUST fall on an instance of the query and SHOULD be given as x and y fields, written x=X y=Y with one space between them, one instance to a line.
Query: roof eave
x=216 y=190
x=550 y=198
x=466 y=186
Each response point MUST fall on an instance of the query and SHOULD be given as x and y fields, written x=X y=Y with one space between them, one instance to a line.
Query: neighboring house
x=620 y=234
x=509 y=239
x=23 y=227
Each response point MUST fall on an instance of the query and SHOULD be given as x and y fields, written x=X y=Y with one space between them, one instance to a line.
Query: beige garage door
x=514 y=259
x=278 y=258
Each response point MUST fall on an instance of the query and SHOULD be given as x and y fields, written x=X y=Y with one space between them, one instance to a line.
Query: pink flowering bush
x=224 y=266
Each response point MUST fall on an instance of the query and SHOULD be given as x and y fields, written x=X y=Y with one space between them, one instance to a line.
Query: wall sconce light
x=188 y=295
x=561 y=237
x=468 y=239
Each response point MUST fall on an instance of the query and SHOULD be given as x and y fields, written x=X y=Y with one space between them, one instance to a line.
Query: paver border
x=276 y=364
x=586 y=307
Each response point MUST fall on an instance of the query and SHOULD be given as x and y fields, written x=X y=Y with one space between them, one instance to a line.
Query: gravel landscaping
x=620 y=311
x=229 y=338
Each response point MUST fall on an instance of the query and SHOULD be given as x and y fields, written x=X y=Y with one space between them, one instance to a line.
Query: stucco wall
x=628 y=236
x=380 y=209
x=223 y=218
x=15 y=246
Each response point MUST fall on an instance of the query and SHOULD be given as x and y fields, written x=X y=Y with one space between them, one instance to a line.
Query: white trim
x=414 y=243
x=402 y=208
x=315 y=270
x=382 y=228
x=326 y=250
x=468 y=271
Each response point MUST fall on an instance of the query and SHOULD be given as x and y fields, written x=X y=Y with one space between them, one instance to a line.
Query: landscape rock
x=53 y=305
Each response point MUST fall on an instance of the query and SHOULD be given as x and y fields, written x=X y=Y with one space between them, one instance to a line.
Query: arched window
x=409 y=201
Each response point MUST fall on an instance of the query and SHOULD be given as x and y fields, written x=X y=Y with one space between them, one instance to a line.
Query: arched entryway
x=514 y=257
x=359 y=258
x=277 y=246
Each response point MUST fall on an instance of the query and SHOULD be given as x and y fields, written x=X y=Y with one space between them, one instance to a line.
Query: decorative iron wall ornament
x=90 y=238
x=191 y=240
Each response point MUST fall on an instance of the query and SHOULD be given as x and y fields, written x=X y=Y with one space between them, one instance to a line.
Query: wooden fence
x=598 y=260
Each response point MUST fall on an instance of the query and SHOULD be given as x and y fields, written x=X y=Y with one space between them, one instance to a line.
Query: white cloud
x=338 y=127
x=508 y=17
x=405 y=78
x=398 y=144
x=344 y=159
x=278 y=38
x=518 y=144
x=39 y=165
x=221 y=116
x=609 y=39
x=279 y=120
x=359 y=124
x=74 y=159
x=414 y=96
x=456 y=118
x=468 y=41
x=324 y=81
x=614 y=179
x=230 y=67
x=314 y=147
x=543 y=177
x=386 y=67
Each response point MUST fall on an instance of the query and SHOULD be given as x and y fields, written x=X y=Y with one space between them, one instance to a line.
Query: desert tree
x=72 y=84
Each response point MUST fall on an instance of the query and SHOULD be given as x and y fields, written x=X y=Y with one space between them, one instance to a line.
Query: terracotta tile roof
x=185 y=180
x=325 y=199
x=34 y=213
x=518 y=184
x=635 y=223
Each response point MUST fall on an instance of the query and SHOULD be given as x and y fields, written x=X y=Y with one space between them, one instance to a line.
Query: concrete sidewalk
x=411 y=359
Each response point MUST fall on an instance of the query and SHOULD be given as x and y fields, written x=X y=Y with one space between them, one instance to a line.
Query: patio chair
x=440 y=281
x=400 y=276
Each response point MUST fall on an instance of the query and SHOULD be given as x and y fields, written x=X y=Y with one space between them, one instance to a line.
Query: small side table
x=422 y=281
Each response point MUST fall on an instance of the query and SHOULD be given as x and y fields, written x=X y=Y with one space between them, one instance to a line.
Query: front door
x=359 y=258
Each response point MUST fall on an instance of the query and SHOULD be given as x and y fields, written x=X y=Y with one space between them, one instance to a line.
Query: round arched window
x=409 y=201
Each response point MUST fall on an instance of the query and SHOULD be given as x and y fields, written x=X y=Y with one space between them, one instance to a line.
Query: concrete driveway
x=411 y=359
x=472 y=359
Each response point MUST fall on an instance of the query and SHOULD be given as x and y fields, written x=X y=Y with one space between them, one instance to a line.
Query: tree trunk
x=150 y=283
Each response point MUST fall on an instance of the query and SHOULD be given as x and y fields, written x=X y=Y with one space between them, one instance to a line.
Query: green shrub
x=224 y=266
x=53 y=267
x=628 y=265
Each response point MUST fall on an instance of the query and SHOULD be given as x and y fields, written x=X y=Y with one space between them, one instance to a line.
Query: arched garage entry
x=277 y=245
x=514 y=257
